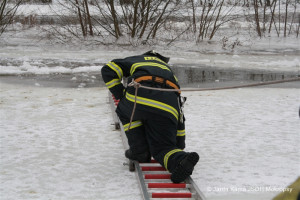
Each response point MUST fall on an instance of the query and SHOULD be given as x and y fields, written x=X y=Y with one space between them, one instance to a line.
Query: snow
x=27 y=68
x=247 y=138
x=58 y=141
x=59 y=144
x=43 y=59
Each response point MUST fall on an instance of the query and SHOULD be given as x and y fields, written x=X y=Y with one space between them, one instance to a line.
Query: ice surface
x=247 y=138
x=59 y=143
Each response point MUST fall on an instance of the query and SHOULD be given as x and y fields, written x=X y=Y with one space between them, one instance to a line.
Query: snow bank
x=52 y=62
x=27 y=68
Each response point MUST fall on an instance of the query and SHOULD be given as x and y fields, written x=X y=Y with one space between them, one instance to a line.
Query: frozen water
x=59 y=143
x=57 y=140
x=247 y=139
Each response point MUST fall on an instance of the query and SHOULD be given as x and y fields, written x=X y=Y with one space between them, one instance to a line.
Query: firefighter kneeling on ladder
x=155 y=117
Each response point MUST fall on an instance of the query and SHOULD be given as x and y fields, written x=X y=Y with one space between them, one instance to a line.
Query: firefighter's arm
x=180 y=138
x=112 y=75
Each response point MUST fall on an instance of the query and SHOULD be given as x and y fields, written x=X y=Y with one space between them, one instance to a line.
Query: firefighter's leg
x=137 y=142
x=161 y=134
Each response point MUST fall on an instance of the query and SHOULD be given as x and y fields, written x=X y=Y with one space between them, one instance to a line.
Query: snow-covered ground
x=57 y=140
x=27 y=50
x=26 y=56
x=59 y=143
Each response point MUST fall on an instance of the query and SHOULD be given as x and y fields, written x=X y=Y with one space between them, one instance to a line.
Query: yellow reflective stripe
x=113 y=83
x=116 y=68
x=153 y=103
x=176 y=78
x=154 y=58
x=166 y=158
x=134 y=124
x=151 y=64
x=180 y=132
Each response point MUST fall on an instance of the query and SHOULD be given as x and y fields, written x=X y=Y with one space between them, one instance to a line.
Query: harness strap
x=158 y=80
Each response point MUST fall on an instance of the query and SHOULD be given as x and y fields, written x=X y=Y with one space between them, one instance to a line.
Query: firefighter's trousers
x=154 y=133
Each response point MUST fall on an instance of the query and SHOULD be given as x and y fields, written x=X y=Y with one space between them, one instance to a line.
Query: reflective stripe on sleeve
x=166 y=158
x=112 y=83
x=116 y=68
x=176 y=79
x=153 y=103
x=134 y=124
x=180 y=132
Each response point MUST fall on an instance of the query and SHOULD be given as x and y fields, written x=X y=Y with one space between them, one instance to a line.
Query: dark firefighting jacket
x=151 y=71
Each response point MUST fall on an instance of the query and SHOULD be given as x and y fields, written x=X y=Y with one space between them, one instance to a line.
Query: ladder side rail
x=138 y=170
x=141 y=179
x=113 y=109
x=195 y=189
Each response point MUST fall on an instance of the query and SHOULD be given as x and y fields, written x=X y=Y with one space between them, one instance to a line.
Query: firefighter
x=157 y=128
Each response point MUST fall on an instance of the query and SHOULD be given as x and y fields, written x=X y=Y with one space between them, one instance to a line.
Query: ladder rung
x=155 y=172
x=153 y=168
x=167 y=185
x=171 y=195
x=158 y=181
x=150 y=164
x=157 y=176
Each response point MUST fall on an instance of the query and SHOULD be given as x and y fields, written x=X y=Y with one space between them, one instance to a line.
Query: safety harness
x=158 y=80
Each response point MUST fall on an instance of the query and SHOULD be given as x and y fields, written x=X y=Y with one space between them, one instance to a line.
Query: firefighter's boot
x=185 y=168
x=140 y=157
